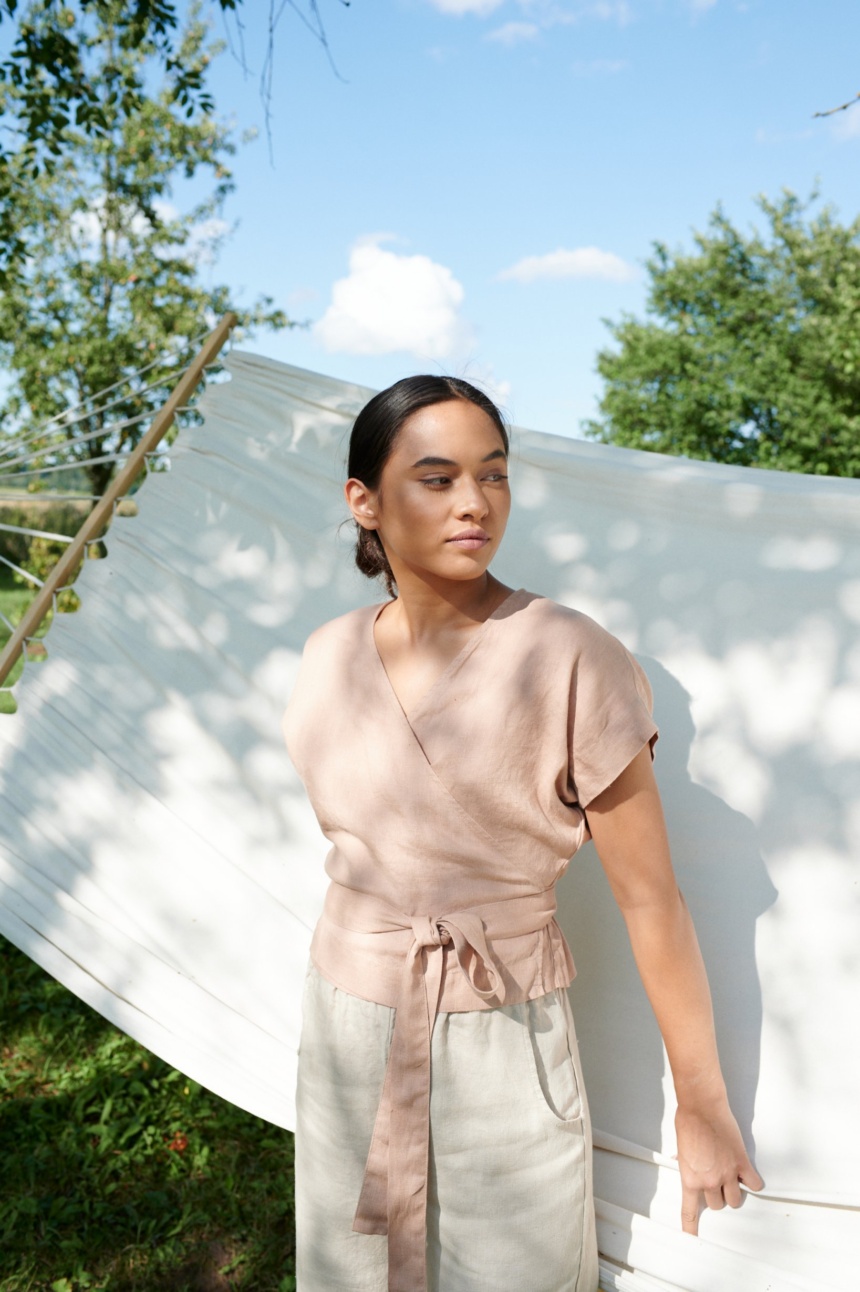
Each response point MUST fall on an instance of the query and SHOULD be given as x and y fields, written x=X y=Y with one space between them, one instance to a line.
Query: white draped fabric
x=157 y=854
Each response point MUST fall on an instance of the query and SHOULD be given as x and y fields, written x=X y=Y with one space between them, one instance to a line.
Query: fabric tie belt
x=393 y=1198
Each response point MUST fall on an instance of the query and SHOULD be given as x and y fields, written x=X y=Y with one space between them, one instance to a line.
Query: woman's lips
x=470 y=544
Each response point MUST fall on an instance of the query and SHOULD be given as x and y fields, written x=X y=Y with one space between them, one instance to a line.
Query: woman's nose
x=471 y=500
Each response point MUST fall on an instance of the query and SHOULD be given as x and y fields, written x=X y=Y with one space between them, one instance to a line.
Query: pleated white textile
x=158 y=856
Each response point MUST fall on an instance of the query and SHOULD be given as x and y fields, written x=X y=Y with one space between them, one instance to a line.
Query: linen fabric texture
x=510 y=1202
x=450 y=828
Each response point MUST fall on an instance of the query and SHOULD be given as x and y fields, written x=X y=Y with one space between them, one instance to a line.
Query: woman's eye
x=441 y=481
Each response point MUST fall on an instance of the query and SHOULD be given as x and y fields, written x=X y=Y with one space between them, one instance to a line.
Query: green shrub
x=39 y=555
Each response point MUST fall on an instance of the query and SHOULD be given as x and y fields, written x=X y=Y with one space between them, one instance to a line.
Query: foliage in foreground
x=111 y=275
x=118 y=1172
x=753 y=353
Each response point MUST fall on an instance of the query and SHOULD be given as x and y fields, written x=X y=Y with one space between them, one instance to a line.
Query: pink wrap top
x=449 y=830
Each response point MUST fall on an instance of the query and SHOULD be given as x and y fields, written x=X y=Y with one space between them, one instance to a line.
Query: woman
x=458 y=743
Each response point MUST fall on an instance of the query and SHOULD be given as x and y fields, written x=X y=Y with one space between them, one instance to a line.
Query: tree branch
x=315 y=25
x=841 y=108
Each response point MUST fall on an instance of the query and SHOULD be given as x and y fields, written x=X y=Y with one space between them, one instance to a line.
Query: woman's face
x=443 y=501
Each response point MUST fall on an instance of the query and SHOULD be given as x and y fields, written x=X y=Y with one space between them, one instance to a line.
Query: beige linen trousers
x=510 y=1202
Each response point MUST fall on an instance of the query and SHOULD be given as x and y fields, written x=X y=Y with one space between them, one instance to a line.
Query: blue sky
x=482 y=185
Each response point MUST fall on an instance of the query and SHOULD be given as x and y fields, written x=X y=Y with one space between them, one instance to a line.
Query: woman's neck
x=425 y=611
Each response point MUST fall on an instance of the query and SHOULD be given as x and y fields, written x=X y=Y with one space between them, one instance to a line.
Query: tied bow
x=393 y=1197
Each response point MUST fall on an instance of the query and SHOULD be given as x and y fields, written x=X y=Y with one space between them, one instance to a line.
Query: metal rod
x=96 y=522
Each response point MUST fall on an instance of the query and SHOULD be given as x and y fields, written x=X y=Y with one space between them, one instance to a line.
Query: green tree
x=47 y=68
x=110 y=278
x=752 y=355
x=45 y=61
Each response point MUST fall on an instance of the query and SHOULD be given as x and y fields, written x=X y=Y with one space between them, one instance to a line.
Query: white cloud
x=389 y=303
x=301 y=296
x=86 y=227
x=514 y=33
x=550 y=14
x=459 y=7
x=611 y=11
x=200 y=246
x=581 y=262
x=543 y=13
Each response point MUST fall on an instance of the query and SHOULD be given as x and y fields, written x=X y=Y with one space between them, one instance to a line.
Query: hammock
x=157 y=854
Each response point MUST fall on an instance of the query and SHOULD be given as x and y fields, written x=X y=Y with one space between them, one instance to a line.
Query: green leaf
x=95 y=286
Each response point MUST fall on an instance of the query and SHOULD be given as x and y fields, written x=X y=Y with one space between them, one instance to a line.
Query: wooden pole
x=96 y=521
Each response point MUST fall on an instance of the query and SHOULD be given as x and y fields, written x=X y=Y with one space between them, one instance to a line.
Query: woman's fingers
x=691 y=1200
x=713 y=1163
x=750 y=1177
x=694 y=1200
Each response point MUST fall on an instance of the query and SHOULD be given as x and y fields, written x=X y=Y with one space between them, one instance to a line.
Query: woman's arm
x=629 y=831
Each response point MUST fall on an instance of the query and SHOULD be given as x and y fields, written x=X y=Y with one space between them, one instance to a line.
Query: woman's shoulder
x=333 y=651
x=575 y=644
x=343 y=630
x=558 y=623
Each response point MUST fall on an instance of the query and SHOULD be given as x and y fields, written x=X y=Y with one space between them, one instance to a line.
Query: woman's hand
x=713 y=1163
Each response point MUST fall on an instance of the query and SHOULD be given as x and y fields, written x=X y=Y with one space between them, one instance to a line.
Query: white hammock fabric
x=157 y=854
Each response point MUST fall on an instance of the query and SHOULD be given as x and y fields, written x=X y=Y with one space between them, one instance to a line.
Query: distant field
x=13 y=601
x=39 y=512
x=12 y=497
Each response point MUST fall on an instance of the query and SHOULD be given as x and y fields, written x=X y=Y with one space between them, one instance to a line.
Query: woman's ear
x=362 y=503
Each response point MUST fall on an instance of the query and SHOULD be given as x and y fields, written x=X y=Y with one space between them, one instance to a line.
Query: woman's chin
x=461 y=573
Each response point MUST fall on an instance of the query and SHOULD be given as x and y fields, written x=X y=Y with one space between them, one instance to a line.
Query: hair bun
x=371 y=559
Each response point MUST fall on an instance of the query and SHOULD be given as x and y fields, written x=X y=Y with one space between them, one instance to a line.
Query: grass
x=119 y=1173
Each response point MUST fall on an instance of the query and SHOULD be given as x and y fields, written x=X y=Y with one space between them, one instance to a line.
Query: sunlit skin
x=444 y=592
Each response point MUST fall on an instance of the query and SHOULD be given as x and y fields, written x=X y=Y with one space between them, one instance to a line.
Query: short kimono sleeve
x=298 y=724
x=610 y=714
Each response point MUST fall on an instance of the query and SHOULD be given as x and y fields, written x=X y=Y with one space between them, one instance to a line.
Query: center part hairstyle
x=372 y=440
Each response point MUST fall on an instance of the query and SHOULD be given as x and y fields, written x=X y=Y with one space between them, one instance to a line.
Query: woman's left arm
x=629 y=831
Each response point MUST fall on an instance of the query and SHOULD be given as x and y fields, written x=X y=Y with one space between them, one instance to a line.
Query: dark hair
x=373 y=435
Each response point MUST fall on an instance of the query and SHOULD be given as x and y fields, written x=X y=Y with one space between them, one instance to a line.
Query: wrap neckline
x=451 y=667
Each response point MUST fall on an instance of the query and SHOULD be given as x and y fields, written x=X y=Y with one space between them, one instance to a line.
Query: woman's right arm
x=629 y=832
